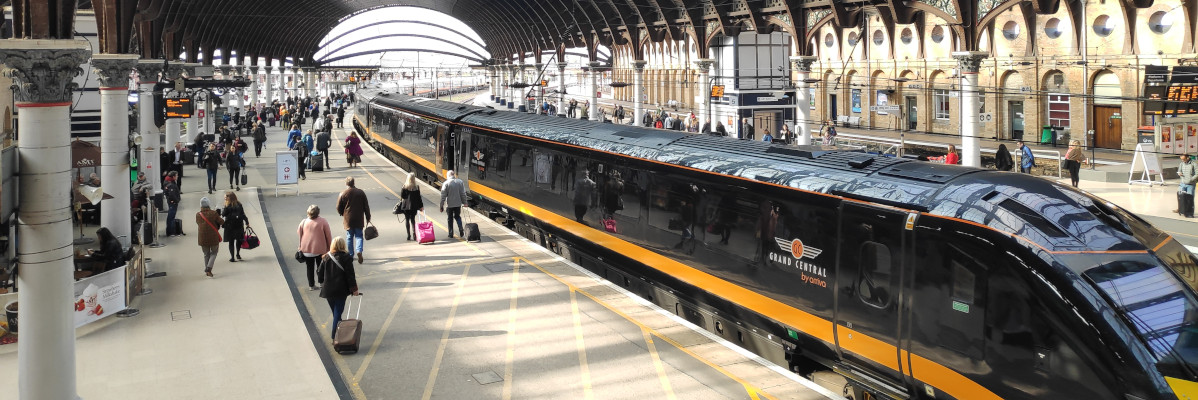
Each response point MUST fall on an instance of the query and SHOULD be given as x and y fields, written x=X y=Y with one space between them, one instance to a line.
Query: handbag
x=299 y=256
x=370 y=232
x=251 y=240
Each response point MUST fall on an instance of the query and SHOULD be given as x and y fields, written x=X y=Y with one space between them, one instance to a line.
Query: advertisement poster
x=541 y=168
x=856 y=100
x=883 y=100
x=1167 y=139
x=1191 y=138
x=811 y=96
x=99 y=296
x=1179 y=138
x=286 y=168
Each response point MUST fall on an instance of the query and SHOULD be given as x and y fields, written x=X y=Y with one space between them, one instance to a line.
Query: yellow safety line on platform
x=378 y=340
x=582 y=347
x=393 y=193
x=661 y=370
x=659 y=335
x=752 y=392
x=453 y=310
x=510 y=354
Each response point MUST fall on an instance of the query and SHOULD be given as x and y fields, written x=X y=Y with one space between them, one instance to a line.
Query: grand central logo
x=810 y=273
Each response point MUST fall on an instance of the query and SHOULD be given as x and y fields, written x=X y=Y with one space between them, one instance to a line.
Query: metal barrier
x=1036 y=154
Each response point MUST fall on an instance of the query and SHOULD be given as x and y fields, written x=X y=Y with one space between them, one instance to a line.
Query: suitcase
x=349 y=332
x=472 y=233
x=174 y=227
x=424 y=230
x=317 y=162
x=245 y=179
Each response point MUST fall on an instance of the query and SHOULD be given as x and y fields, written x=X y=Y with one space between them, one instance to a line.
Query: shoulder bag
x=218 y=236
x=370 y=232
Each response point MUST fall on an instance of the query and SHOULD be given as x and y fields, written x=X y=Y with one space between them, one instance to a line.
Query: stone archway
x=1107 y=110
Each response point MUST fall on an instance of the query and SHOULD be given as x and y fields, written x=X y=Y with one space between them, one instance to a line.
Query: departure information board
x=1156 y=84
x=178 y=108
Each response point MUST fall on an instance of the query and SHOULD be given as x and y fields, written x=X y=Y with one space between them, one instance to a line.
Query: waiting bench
x=847 y=121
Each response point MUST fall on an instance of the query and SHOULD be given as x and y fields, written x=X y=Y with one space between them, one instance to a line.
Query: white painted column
x=113 y=71
x=638 y=92
x=561 y=88
x=174 y=126
x=491 y=72
x=239 y=72
x=593 y=71
x=511 y=92
x=802 y=66
x=151 y=139
x=705 y=94
x=268 y=80
x=254 y=89
x=969 y=62
x=540 y=91
x=42 y=71
x=193 y=123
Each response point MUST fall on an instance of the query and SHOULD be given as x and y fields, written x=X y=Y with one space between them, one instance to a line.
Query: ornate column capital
x=594 y=64
x=561 y=66
x=253 y=70
x=114 y=69
x=173 y=70
x=969 y=62
x=268 y=69
x=704 y=64
x=640 y=65
x=802 y=63
x=148 y=70
x=224 y=70
x=43 y=71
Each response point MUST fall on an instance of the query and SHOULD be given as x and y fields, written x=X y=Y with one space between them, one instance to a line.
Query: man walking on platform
x=354 y=209
x=453 y=197
x=323 y=141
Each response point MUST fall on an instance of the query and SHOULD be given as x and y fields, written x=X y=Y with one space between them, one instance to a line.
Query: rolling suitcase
x=245 y=179
x=472 y=233
x=317 y=162
x=424 y=230
x=349 y=331
x=174 y=227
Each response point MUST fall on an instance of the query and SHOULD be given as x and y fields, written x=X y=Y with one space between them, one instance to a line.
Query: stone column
x=802 y=66
x=113 y=71
x=593 y=71
x=230 y=94
x=510 y=72
x=491 y=74
x=43 y=87
x=968 y=62
x=254 y=88
x=174 y=126
x=282 y=96
x=561 y=88
x=151 y=134
x=704 y=65
x=638 y=92
x=238 y=72
x=268 y=80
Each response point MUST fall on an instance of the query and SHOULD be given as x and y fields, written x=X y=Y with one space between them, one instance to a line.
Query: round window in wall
x=879 y=37
x=907 y=36
x=829 y=40
x=853 y=38
x=1104 y=25
x=1010 y=30
x=1160 y=22
x=1052 y=28
x=938 y=34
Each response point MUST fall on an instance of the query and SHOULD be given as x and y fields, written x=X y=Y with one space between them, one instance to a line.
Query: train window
x=873 y=283
x=1033 y=218
x=963 y=282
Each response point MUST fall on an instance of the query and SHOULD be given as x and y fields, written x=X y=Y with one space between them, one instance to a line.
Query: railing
x=1037 y=155
x=896 y=145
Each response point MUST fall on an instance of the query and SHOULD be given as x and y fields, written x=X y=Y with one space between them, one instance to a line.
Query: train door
x=443 y=149
x=873 y=245
x=461 y=152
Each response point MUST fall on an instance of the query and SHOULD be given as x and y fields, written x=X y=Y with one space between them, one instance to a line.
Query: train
x=913 y=280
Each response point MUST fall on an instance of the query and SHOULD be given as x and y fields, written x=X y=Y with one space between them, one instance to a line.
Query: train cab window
x=963 y=312
x=873 y=283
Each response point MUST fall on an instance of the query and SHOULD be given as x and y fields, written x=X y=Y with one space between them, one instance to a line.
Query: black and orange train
x=914 y=280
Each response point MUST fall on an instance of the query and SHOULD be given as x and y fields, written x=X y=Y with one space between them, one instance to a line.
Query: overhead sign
x=179 y=108
x=884 y=108
x=717 y=90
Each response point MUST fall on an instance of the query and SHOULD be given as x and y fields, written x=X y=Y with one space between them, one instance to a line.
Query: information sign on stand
x=286 y=170
x=1147 y=163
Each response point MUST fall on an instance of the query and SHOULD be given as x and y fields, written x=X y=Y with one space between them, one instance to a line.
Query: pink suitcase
x=424 y=230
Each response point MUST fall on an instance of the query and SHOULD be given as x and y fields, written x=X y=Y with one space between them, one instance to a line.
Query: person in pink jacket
x=314 y=238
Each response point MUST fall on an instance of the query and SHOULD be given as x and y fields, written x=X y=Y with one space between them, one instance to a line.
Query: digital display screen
x=717 y=91
x=1154 y=97
x=179 y=108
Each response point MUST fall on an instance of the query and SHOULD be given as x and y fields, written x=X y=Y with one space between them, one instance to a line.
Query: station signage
x=179 y=108
x=717 y=91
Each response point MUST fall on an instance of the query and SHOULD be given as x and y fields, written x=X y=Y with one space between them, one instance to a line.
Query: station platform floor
x=502 y=318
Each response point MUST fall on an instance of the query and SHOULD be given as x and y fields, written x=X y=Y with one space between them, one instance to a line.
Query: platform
x=503 y=318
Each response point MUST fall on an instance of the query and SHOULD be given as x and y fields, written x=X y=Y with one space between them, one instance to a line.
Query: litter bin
x=10 y=312
x=1046 y=134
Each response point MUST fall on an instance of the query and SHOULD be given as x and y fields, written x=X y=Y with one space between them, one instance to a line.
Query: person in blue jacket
x=293 y=136
x=1028 y=160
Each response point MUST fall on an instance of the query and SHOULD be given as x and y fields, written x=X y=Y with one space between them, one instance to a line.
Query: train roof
x=1054 y=216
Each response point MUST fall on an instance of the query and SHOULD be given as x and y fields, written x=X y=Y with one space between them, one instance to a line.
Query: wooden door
x=1108 y=130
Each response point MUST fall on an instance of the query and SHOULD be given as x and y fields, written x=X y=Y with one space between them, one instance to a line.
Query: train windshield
x=1159 y=307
